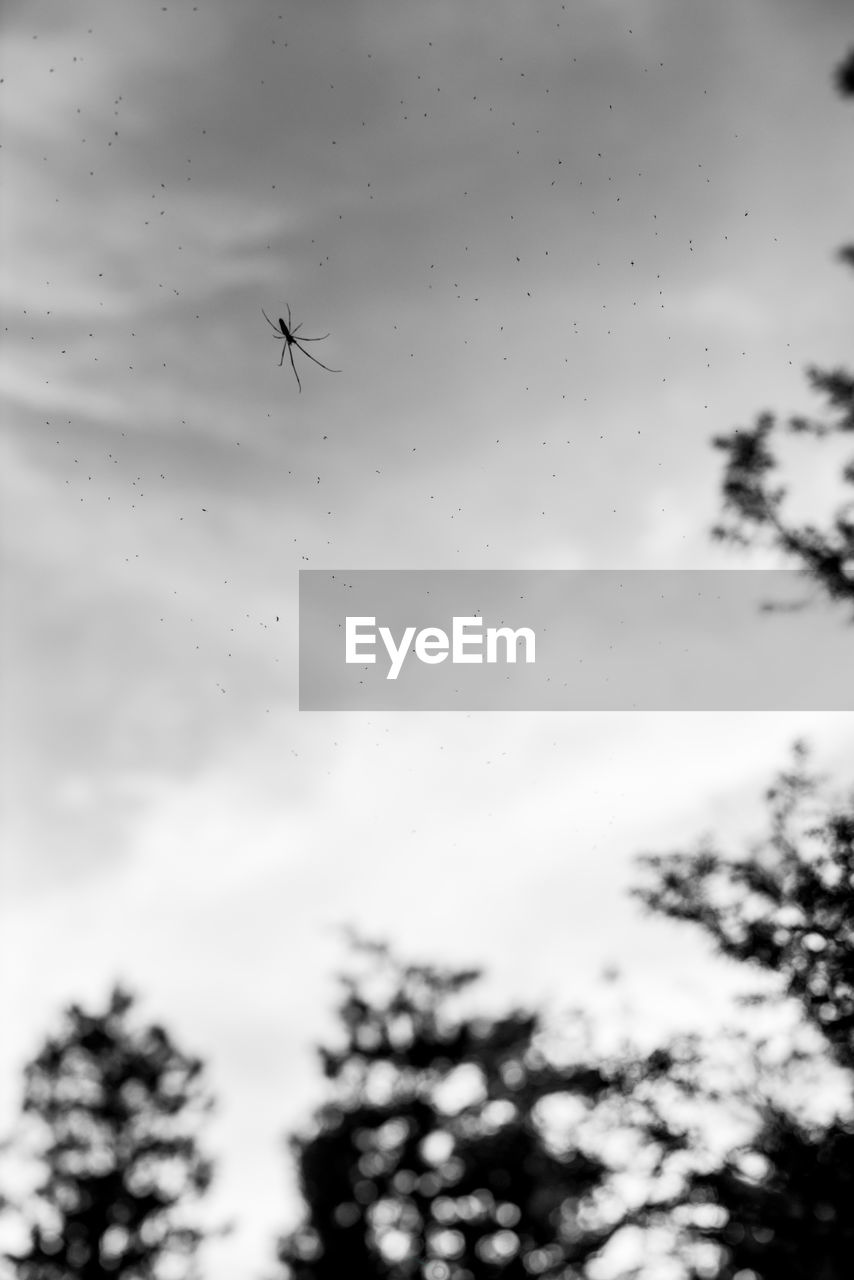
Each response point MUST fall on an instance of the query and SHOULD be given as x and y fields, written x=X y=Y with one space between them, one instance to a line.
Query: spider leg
x=303 y=337
x=269 y=321
x=309 y=356
x=293 y=366
x=284 y=349
x=290 y=322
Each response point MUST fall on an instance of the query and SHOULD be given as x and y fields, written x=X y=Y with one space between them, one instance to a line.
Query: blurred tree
x=788 y=908
x=786 y=1203
x=121 y=1106
x=754 y=507
x=437 y=1157
x=779 y=1207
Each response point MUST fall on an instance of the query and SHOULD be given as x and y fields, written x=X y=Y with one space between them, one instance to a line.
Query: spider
x=287 y=333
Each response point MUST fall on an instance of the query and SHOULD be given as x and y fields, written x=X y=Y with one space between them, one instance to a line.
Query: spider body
x=287 y=334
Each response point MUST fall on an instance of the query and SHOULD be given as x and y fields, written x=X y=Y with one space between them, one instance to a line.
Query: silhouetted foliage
x=121 y=1106
x=779 y=1208
x=755 y=507
x=435 y=1157
x=786 y=1202
x=788 y=908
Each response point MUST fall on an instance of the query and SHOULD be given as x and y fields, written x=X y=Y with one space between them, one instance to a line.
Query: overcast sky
x=556 y=248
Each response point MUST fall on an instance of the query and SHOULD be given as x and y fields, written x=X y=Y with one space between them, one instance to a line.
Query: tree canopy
x=754 y=506
x=436 y=1156
x=120 y=1106
x=778 y=1207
